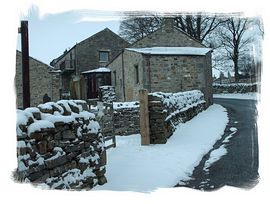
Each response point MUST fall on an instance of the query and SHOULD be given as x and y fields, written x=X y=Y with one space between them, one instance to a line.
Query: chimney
x=168 y=24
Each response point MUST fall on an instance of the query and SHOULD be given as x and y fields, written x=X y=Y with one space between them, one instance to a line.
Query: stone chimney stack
x=168 y=24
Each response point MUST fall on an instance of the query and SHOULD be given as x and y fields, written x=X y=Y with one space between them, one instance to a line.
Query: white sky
x=51 y=34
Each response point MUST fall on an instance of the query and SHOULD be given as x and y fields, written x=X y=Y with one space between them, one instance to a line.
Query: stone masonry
x=88 y=49
x=84 y=55
x=132 y=71
x=167 y=110
x=43 y=80
x=126 y=121
x=235 y=88
x=181 y=73
x=60 y=146
x=168 y=36
x=117 y=119
x=107 y=94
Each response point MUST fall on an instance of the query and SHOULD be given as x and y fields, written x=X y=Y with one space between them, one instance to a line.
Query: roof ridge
x=174 y=27
x=185 y=33
x=89 y=38
x=18 y=51
x=171 y=50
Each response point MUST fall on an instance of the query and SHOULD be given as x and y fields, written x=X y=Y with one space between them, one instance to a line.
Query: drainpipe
x=123 y=76
x=51 y=84
x=207 y=82
x=148 y=65
x=75 y=56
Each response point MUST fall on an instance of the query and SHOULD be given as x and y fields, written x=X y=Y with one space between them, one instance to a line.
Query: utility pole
x=23 y=30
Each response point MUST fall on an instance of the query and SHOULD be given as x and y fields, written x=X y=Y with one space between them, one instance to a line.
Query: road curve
x=239 y=167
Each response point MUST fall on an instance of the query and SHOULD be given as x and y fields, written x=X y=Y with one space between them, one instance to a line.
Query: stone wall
x=167 y=110
x=117 y=76
x=208 y=91
x=107 y=94
x=181 y=73
x=85 y=54
x=119 y=118
x=126 y=118
x=166 y=73
x=42 y=81
x=106 y=120
x=235 y=88
x=88 y=49
x=60 y=146
x=162 y=73
x=125 y=86
x=131 y=89
x=168 y=36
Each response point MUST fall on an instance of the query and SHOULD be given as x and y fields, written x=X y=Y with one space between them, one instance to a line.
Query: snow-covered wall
x=235 y=88
x=118 y=118
x=126 y=118
x=107 y=94
x=166 y=110
x=60 y=146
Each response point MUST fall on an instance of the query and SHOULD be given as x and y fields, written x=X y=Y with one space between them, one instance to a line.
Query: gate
x=104 y=115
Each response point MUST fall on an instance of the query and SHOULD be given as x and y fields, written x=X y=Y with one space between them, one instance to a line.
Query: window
x=137 y=74
x=63 y=65
x=103 y=56
x=114 y=77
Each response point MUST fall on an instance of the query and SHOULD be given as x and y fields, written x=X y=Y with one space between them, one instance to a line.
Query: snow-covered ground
x=245 y=96
x=132 y=167
x=216 y=154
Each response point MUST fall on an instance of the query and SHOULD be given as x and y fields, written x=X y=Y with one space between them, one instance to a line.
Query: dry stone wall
x=119 y=118
x=60 y=146
x=235 y=88
x=107 y=94
x=126 y=118
x=167 y=110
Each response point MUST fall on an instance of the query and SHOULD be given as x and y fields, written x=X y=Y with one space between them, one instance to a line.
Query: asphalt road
x=239 y=167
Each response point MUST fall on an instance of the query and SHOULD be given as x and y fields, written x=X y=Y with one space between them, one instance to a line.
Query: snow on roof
x=172 y=50
x=100 y=69
x=55 y=71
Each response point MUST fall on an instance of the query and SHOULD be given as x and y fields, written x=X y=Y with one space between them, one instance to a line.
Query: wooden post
x=25 y=63
x=83 y=88
x=144 y=117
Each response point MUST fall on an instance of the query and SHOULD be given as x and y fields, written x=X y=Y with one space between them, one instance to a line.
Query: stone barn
x=90 y=54
x=168 y=60
x=43 y=78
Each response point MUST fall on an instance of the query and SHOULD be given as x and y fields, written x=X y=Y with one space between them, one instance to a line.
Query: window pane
x=114 y=74
x=103 y=56
x=136 y=74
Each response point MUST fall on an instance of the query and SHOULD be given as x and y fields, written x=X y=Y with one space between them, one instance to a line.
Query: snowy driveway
x=132 y=167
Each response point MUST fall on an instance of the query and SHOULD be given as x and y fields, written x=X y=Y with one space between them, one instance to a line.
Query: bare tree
x=229 y=37
x=233 y=40
x=136 y=26
x=259 y=23
x=199 y=26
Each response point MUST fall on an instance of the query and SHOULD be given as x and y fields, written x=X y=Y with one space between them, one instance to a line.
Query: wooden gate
x=104 y=114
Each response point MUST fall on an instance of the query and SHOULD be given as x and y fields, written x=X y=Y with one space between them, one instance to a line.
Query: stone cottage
x=43 y=78
x=89 y=54
x=168 y=60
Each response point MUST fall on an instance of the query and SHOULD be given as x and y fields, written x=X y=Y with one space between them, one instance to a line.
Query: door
x=92 y=88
